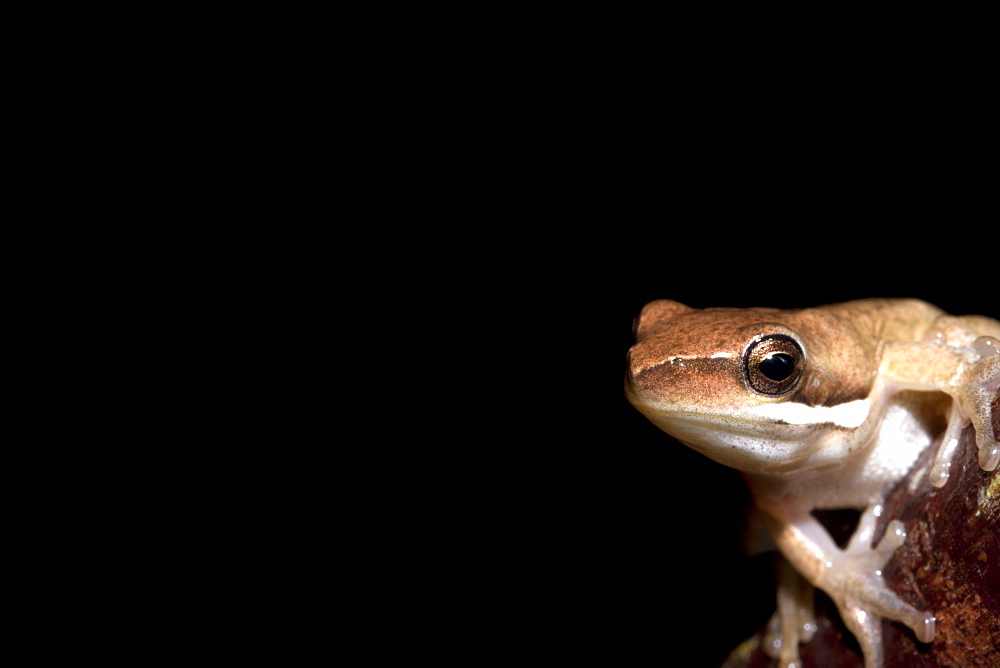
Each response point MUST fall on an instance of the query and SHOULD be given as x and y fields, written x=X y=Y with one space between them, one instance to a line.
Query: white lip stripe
x=850 y=415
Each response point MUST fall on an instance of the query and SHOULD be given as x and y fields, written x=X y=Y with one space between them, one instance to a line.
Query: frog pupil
x=777 y=366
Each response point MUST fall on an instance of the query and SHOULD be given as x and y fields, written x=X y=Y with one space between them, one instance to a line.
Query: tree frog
x=822 y=408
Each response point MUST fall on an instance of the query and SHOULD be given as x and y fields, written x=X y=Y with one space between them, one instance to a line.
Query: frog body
x=819 y=408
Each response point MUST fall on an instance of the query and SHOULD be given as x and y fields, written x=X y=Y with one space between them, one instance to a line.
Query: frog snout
x=645 y=377
x=632 y=387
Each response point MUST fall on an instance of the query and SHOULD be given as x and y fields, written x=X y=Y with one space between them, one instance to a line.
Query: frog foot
x=854 y=581
x=983 y=388
x=793 y=622
x=973 y=400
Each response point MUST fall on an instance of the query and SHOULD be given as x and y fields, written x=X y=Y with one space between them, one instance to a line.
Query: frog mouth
x=728 y=441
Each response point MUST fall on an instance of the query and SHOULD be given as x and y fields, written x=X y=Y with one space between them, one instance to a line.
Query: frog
x=822 y=408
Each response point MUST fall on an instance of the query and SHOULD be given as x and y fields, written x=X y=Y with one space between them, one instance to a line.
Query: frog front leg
x=974 y=391
x=852 y=577
x=963 y=362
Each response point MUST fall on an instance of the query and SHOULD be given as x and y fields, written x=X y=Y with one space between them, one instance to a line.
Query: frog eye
x=774 y=364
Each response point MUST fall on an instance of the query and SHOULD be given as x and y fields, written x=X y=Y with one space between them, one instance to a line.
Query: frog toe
x=895 y=536
x=982 y=414
x=989 y=453
x=867 y=629
x=975 y=400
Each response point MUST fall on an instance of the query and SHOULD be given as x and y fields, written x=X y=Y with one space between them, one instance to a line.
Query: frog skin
x=822 y=408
